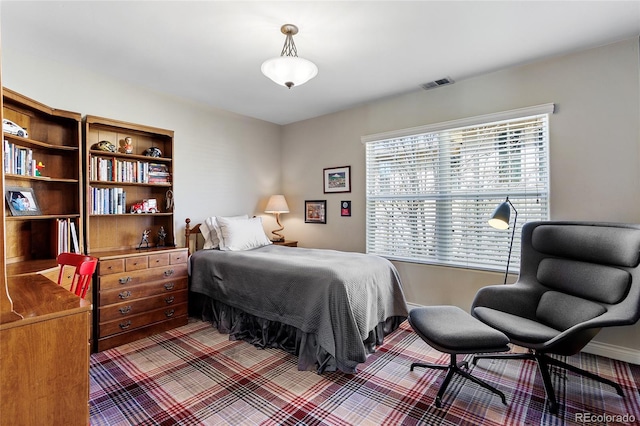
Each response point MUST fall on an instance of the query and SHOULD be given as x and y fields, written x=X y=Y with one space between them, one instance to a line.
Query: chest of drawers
x=139 y=294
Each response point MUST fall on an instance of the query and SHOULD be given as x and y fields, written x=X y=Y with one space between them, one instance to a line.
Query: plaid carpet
x=195 y=376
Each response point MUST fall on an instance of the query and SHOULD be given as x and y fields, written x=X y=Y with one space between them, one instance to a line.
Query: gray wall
x=594 y=160
x=228 y=164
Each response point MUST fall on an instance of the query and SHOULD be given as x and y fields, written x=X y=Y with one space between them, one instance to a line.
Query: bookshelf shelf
x=41 y=217
x=131 y=214
x=30 y=143
x=112 y=183
x=40 y=178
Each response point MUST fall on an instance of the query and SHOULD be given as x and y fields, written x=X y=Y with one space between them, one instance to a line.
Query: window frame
x=496 y=241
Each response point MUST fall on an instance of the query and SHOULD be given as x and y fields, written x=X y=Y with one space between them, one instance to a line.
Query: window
x=431 y=190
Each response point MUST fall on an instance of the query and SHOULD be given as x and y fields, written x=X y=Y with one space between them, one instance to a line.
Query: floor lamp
x=500 y=220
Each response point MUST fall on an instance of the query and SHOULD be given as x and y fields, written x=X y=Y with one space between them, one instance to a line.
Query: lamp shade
x=289 y=70
x=500 y=217
x=277 y=204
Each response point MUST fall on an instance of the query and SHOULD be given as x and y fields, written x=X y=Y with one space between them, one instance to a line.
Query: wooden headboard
x=188 y=233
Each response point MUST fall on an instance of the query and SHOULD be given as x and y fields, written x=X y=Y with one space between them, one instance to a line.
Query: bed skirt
x=264 y=333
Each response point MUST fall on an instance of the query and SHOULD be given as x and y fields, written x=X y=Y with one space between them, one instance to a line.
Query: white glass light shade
x=289 y=70
x=277 y=204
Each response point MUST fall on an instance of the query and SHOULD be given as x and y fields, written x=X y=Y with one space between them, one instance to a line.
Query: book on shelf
x=65 y=237
x=62 y=236
x=18 y=160
x=74 y=238
x=159 y=179
x=108 y=201
x=117 y=170
x=158 y=168
x=159 y=173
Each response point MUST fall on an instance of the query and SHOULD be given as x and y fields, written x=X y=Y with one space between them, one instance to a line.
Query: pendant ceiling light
x=288 y=69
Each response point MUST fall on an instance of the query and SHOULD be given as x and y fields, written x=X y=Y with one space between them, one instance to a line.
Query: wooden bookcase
x=139 y=289
x=122 y=231
x=42 y=325
x=54 y=139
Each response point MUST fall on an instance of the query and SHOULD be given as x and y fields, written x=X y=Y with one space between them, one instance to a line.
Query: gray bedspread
x=338 y=296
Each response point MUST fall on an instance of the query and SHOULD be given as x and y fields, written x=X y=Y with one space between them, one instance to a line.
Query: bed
x=329 y=308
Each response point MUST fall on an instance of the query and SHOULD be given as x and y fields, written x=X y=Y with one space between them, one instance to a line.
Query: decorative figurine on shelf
x=145 y=239
x=162 y=234
x=169 y=201
x=154 y=151
x=104 y=146
x=39 y=168
x=127 y=145
x=10 y=127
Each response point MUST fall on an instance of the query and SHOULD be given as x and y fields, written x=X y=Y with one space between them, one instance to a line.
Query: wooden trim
x=7 y=314
x=126 y=126
x=30 y=103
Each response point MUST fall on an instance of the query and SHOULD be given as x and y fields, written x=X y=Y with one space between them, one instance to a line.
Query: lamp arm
x=513 y=233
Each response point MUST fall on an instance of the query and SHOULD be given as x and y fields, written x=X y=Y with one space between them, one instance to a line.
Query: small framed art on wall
x=337 y=179
x=345 y=208
x=315 y=211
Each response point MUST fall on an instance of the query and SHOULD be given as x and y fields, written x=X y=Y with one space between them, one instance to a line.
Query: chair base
x=454 y=368
x=543 y=361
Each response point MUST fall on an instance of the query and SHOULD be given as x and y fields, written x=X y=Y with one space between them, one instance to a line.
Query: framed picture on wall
x=337 y=179
x=22 y=201
x=345 y=208
x=315 y=211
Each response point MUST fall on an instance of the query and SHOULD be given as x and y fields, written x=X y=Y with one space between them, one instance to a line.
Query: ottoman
x=451 y=330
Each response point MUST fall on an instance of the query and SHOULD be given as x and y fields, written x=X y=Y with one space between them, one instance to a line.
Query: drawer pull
x=169 y=286
x=168 y=273
x=170 y=313
x=125 y=280
x=125 y=325
x=169 y=300
x=124 y=294
x=125 y=309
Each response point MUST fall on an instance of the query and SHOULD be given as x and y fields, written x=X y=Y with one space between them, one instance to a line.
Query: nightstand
x=287 y=243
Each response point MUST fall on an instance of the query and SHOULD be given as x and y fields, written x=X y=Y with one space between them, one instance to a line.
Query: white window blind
x=431 y=190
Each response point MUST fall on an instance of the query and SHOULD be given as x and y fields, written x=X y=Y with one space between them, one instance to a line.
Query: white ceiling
x=211 y=51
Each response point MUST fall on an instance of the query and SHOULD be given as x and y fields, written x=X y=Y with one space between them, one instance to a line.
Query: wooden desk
x=44 y=357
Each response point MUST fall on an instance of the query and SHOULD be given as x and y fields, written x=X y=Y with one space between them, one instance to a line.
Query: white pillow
x=242 y=234
x=206 y=229
x=211 y=231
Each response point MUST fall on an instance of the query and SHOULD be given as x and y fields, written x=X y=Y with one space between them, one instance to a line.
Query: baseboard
x=596 y=348
x=614 y=352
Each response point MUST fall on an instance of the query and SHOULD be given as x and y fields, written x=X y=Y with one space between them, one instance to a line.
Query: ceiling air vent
x=437 y=83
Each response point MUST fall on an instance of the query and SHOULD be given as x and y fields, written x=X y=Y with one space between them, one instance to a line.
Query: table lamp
x=276 y=205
